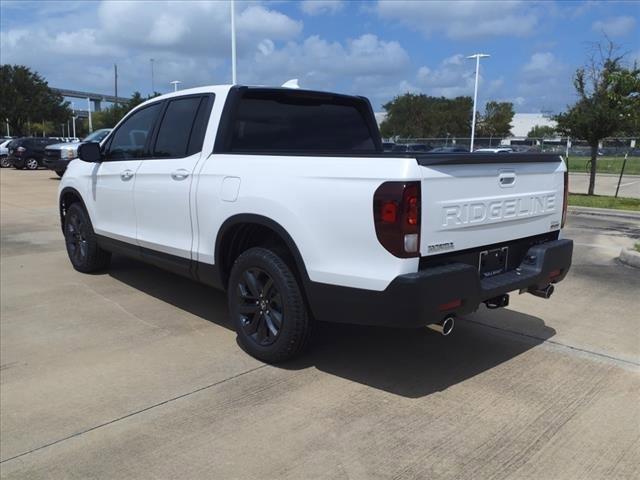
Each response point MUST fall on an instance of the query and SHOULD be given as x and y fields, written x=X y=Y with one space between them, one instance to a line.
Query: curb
x=606 y=212
x=630 y=257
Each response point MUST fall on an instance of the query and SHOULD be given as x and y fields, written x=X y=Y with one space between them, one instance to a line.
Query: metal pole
x=8 y=133
x=115 y=73
x=624 y=164
x=74 y=119
x=42 y=128
x=89 y=111
x=233 y=42
x=477 y=56
x=175 y=84
x=153 y=87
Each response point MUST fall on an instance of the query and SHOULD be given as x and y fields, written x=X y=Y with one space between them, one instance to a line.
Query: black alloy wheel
x=76 y=238
x=267 y=306
x=259 y=306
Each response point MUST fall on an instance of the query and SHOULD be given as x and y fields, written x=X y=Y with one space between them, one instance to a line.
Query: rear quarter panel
x=324 y=203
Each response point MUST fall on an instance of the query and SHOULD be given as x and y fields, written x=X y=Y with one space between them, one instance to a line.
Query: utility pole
x=89 y=112
x=153 y=87
x=233 y=42
x=477 y=56
x=115 y=73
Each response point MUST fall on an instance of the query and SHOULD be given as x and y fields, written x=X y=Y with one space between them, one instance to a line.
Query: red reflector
x=389 y=212
x=554 y=274
x=448 y=306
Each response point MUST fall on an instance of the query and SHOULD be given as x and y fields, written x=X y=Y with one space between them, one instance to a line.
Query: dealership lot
x=135 y=373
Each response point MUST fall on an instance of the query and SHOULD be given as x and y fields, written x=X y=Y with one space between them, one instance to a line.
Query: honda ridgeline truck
x=285 y=199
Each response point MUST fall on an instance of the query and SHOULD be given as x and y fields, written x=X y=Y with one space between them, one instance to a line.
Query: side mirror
x=90 y=152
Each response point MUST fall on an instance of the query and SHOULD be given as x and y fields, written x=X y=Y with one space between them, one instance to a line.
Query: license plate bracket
x=493 y=262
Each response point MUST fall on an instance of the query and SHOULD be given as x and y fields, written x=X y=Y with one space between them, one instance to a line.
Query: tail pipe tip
x=444 y=327
x=544 y=292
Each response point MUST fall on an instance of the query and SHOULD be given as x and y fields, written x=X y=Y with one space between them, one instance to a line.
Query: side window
x=129 y=140
x=176 y=128
x=200 y=125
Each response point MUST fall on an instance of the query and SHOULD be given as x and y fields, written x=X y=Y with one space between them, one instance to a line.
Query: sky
x=379 y=49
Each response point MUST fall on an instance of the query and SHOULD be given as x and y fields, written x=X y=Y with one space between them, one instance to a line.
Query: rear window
x=301 y=122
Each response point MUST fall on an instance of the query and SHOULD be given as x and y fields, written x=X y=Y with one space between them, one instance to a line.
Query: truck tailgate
x=472 y=200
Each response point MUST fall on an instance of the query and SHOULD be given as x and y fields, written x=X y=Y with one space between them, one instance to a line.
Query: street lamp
x=175 y=84
x=477 y=56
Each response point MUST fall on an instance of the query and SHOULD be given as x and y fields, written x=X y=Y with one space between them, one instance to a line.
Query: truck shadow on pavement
x=412 y=363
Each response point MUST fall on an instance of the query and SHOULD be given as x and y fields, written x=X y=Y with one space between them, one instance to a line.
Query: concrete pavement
x=135 y=373
x=606 y=184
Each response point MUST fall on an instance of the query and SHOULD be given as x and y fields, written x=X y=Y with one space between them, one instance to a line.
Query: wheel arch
x=67 y=197
x=234 y=226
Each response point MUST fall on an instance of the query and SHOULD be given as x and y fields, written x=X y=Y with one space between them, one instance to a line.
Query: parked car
x=388 y=146
x=451 y=149
x=410 y=147
x=28 y=152
x=285 y=199
x=4 y=154
x=58 y=155
x=494 y=150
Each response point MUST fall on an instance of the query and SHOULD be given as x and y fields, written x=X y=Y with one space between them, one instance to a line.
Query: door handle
x=507 y=179
x=180 y=174
x=126 y=175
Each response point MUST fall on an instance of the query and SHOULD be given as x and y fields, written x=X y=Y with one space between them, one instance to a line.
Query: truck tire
x=60 y=173
x=18 y=164
x=267 y=307
x=82 y=245
x=31 y=164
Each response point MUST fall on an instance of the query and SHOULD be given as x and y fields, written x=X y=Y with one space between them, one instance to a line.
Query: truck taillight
x=396 y=215
x=565 y=202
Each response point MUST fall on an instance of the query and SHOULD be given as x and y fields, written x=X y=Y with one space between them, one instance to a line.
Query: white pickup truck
x=285 y=199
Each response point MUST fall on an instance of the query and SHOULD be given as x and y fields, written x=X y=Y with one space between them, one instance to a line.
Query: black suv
x=28 y=152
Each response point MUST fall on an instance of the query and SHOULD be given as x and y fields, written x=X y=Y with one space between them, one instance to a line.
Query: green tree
x=109 y=117
x=421 y=116
x=542 y=131
x=496 y=121
x=606 y=99
x=26 y=98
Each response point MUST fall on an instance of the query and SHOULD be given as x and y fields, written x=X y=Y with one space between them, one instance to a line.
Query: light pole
x=477 y=56
x=8 y=133
x=175 y=84
x=153 y=87
x=233 y=42
x=74 y=119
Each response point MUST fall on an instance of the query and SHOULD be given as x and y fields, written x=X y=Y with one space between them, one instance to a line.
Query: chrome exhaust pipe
x=444 y=327
x=545 y=292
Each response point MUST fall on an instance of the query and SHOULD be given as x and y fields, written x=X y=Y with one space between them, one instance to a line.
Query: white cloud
x=540 y=63
x=454 y=76
x=462 y=19
x=615 y=26
x=544 y=84
x=318 y=62
x=321 y=7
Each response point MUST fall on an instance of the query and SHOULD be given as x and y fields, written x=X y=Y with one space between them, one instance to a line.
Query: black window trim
x=224 y=135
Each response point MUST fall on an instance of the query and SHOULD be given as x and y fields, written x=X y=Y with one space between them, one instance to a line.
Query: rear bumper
x=417 y=299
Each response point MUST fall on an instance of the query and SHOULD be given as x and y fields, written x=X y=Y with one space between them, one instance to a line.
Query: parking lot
x=606 y=184
x=135 y=373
